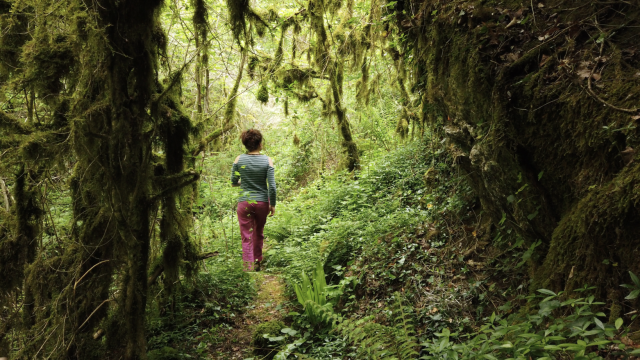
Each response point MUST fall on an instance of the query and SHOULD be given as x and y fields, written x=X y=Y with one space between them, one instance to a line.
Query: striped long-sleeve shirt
x=257 y=178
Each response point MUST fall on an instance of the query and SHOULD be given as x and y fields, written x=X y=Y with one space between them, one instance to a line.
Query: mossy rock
x=264 y=347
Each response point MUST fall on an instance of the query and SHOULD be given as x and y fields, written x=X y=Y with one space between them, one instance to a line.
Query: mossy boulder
x=263 y=338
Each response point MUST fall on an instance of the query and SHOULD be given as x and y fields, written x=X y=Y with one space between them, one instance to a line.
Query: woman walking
x=253 y=172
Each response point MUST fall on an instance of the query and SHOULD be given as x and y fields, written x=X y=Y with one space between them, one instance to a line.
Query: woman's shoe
x=257 y=266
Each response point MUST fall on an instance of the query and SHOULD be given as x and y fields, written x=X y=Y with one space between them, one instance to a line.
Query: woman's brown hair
x=251 y=139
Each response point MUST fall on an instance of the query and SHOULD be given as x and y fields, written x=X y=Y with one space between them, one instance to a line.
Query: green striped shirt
x=257 y=177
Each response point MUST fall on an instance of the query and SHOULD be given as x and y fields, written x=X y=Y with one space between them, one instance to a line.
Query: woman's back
x=256 y=175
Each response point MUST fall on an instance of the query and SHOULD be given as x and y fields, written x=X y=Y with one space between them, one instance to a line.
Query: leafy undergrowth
x=192 y=321
x=414 y=269
x=407 y=230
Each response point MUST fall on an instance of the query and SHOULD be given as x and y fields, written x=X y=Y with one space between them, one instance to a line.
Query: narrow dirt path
x=268 y=305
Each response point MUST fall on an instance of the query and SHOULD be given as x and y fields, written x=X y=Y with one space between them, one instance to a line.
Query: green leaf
x=540 y=175
x=619 y=323
x=552 y=347
x=601 y=342
x=598 y=323
x=635 y=279
x=511 y=198
x=547 y=292
x=289 y=331
x=634 y=294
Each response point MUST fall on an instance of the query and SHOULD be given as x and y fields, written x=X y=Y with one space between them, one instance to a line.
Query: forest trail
x=268 y=305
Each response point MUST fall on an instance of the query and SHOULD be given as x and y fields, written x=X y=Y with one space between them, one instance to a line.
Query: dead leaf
x=512 y=57
x=637 y=117
x=540 y=5
x=513 y=22
x=596 y=77
x=584 y=73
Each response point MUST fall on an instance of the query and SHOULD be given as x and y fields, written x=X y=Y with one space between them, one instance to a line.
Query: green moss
x=261 y=343
x=263 y=93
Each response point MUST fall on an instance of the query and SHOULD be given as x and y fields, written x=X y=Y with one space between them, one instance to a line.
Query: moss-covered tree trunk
x=349 y=146
x=95 y=71
x=333 y=65
x=130 y=84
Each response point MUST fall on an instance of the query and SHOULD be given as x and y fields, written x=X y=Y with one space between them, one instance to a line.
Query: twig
x=94 y=311
x=85 y=274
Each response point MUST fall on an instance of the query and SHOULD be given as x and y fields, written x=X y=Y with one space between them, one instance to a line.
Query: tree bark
x=5 y=194
x=231 y=100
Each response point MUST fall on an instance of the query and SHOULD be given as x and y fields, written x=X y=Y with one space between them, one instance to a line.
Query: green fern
x=312 y=294
x=376 y=341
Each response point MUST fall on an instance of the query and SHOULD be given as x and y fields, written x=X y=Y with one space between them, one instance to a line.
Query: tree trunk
x=349 y=146
x=230 y=108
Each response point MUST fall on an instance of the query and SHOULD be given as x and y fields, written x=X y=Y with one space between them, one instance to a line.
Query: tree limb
x=171 y=189
x=160 y=268
x=10 y=122
x=214 y=135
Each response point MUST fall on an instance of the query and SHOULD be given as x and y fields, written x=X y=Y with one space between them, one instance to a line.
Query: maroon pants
x=252 y=218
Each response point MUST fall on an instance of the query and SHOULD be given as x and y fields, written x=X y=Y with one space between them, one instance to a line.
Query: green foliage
x=577 y=335
x=263 y=93
x=166 y=353
x=332 y=218
x=315 y=291
x=396 y=341
x=267 y=337
x=200 y=309
x=635 y=287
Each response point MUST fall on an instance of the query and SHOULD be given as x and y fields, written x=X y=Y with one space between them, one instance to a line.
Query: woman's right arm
x=235 y=173
x=271 y=180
